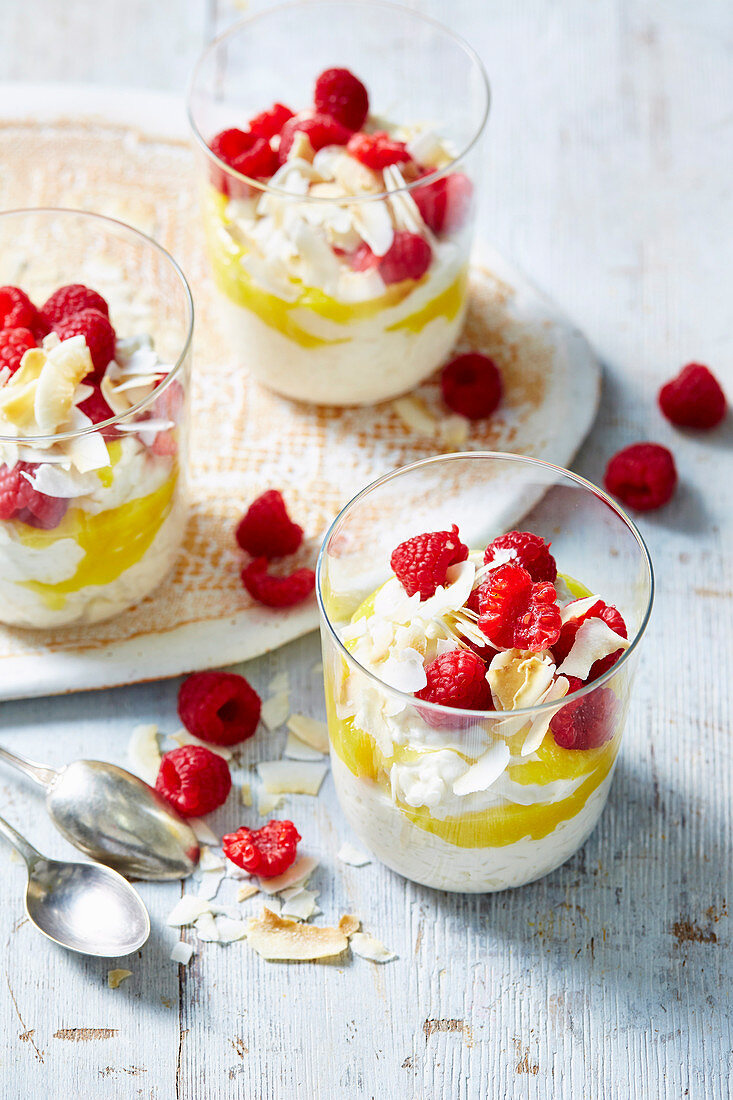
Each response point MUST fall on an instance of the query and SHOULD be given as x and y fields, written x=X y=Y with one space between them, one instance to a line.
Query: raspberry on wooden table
x=16 y=308
x=274 y=591
x=457 y=679
x=586 y=723
x=515 y=613
x=194 y=780
x=266 y=530
x=471 y=385
x=267 y=851
x=642 y=476
x=694 y=399
x=445 y=203
x=528 y=550
x=378 y=150
x=320 y=130
x=96 y=330
x=599 y=610
x=14 y=343
x=421 y=563
x=342 y=95
x=269 y=123
x=71 y=299
x=219 y=707
x=408 y=257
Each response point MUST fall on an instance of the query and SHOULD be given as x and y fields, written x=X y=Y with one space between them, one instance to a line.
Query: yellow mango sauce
x=233 y=280
x=500 y=825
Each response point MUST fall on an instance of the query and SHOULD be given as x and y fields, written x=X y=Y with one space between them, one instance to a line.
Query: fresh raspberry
x=164 y=444
x=471 y=385
x=642 y=476
x=409 y=257
x=586 y=723
x=11 y=482
x=229 y=144
x=98 y=333
x=457 y=679
x=422 y=562
x=194 y=780
x=362 y=258
x=321 y=130
x=269 y=123
x=528 y=550
x=258 y=162
x=245 y=152
x=341 y=95
x=71 y=299
x=275 y=591
x=266 y=530
x=16 y=308
x=219 y=707
x=694 y=399
x=378 y=150
x=20 y=501
x=265 y=852
x=599 y=610
x=96 y=408
x=515 y=613
x=445 y=203
x=14 y=343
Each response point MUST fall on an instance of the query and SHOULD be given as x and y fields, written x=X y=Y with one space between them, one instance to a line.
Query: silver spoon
x=82 y=906
x=114 y=818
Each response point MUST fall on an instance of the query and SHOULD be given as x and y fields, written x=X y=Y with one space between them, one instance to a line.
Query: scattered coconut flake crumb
x=202 y=831
x=275 y=937
x=291 y=777
x=230 y=929
x=245 y=793
x=233 y=871
x=296 y=875
x=206 y=928
x=182 y=952
x=317 y=669
x=349 y=924
x=370 y=948
x=248 y=890
x=187 y=910
x=210 y=861
x=143 y=753
x=115 y=978
x=210 y=883
x=275 y=710
x=414 y=415
x=183 y=737
x=268 y=803
x=279 y=682
x=301 y=904
x=349 y=854
x=310 y=730
x=298 y=750
x=454 y=431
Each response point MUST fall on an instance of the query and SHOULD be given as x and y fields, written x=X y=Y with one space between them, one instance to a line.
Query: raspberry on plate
x=194 y=780
x=342 y=95
x=528 y=550
x=378 y=150
x=71 y=299
x=421 y=563
x=409 y=257
x=273 y=591
x=266 y=530
x=642 y=476
x=694 y=399
x=96 y=330
x=599 y=610
x=16 y=308
x=586 y=723
x=516 y=613
x=14 y=343
x=321 y=130
x=457 y=679
x=471 y=385
x=267 y=851
x=219 y=707
x=445 y=203
x=269 y=123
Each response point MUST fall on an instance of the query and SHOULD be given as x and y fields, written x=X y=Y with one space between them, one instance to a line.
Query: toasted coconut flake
x=268 y=803
x=187 y=910
x=245 y=793
x=370 y=948
x=558 y=689
x=275 y=937
x=487 y=769
x=183 y=737
x=519 y=679
x=202 y=831
x=310 y=730
x=206 y=928
x=115 y=978
x=415 y=416
x=298 y=750
x=349 y=924
x=247 y=890
x=276 y=710
x=291 y=777
x=296 y=875
x=143 y=753
x=182 y=952
x=594 y=640
x=349 y=854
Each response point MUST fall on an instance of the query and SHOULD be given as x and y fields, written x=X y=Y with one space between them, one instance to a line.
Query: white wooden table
x=609 y=181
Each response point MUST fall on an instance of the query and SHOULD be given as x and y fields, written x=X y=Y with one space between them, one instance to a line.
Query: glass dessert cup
x=305 y=319
x=107 y=507
x=400 y=764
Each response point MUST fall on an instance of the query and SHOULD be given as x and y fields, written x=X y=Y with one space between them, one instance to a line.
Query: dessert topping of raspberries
x=71 y=299
x=321 y=130
x=516 y=613
x=457 y=679
x=267 y=852
x=445 y=203
x=98 y=333
x=528 y=550
x=14 y=343
x=16 y=308
x=342 y=95
x=219 y=707
x=269 y=123
x=266 y=530
x=599 y=610
x=409 y=257
x=378 y=150
x=421 y=563
x=586 y=723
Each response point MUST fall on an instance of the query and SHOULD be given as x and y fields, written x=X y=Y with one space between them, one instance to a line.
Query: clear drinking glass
x=92 y=512
x=309 y=316
x=395 y=758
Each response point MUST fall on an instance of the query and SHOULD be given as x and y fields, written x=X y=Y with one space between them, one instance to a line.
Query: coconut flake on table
x=247 y=890
x=182 y=952
x=593 y=641
x=245 y=794
x=487 y=769
x=275 y=937
x=296 y=875
x=454 y=431
x=310 y=730
x=267 y=803
x=558 y=689
x=298 y=750
x=275 y=710
x=300 y=904
x=233 y=870
x=202 y=831
x=415 y=416
x=183 y=737
x=187 y=910
x=206 y=928
x=230 y=929
x=367 y=947
x=212 y=870
x=348 y=853
x=291 y=777
x=143 y=752
x=116 y=977
x=279 y=682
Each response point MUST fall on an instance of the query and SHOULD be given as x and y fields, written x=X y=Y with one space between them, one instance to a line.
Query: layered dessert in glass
x=339 y=194
x=477 y=678
x=95 y=331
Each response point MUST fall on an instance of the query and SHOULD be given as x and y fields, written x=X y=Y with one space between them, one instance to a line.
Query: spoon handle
x=21 y=845
x=41 y=773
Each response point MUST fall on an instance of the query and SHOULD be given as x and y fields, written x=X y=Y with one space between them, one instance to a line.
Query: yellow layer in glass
x=234 y=281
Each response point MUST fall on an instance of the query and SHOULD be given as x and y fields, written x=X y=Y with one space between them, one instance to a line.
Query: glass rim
x=63 y=437
x=265 y=188
x=483 y=715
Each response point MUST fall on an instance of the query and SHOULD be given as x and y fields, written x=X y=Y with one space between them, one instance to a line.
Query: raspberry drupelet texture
x=694 y=399
x=586 y=723
x=342 y=95
x=14 y=343
x=320 y=130
x=274 y=591
x=409 y=257
x=457 y=679
x=16 y=309
x=71 y=299
x=421 y=563
x=642 y=476
x=98 y=333
x=97 y=409
x=528 y=550
x=267 y=852
x=515 y=613
x=194 y=780
x=269 y=123
x=445 y=203
x=471 y=385
x=266 y=530
x=599 y=610
x=378 y=150
x=219 y=707
x=20 y=501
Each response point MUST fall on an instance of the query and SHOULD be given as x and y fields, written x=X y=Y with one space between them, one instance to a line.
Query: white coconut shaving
x=347 y=853
x=298 y=750
x=143 y=752
x=593 y=641
x=310 y=730
x=291 y=776
x=487 y=769
x=187 y=910
x=367 y=947
x=182 y=952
